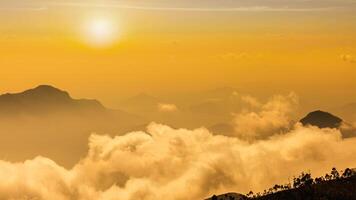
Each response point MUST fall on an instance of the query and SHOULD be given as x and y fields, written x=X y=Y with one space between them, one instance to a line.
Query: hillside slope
x=341 y=189
x=330 y=187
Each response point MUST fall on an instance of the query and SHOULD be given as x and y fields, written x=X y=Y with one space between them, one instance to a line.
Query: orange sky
x=165 y=51
x=233 y=76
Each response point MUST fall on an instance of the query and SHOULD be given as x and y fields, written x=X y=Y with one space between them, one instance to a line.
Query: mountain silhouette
x=44 y=99
x=322 y=119
x=47 y=121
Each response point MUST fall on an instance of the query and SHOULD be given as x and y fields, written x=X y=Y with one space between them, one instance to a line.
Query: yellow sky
x=165 y=51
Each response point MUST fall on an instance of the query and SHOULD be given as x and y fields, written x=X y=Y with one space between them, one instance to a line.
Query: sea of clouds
x=177 y=164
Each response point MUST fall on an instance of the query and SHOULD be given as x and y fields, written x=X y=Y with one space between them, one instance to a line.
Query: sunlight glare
x=101 y=32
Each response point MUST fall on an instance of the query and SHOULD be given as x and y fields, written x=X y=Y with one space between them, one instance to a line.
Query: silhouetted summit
x=322 y=120
x=42 y=93
x=44 y=98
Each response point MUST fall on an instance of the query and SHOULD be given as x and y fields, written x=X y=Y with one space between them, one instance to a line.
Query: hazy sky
x=111 y=49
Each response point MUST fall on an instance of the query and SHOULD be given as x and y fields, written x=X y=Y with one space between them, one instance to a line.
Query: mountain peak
x=43 y=94
x=45 y=98
x=322 y=119
x=46 y=89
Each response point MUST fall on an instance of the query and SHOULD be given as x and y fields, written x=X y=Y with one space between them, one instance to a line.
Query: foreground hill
x=332 y=187
x=341 y=189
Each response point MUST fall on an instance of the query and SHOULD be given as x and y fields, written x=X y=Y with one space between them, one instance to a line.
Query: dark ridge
x=46 y=89
x=333 y=186
x=322 y=119
x=42 y=99
x=40 y=92
x=338 y=189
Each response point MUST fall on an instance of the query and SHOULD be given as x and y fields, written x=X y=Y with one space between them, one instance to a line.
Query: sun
x=101 y=32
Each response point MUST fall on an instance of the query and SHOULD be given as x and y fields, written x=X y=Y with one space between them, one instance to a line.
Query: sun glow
x=101 y=32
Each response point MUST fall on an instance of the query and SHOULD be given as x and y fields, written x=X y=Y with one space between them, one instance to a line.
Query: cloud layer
x=265 y=119
x=177 y=164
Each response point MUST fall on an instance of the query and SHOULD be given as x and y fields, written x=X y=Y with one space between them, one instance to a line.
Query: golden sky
x=272 y=60
x=177 y=46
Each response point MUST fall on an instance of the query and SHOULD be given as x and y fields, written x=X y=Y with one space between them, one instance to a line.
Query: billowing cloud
x=251 y=101
x=266 y=119
x=177 y=164
x=165 y=107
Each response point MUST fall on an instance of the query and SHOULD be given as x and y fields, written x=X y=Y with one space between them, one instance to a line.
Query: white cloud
x=177 y=164
x=251 y=101
x=164 y=107
x=270 y=118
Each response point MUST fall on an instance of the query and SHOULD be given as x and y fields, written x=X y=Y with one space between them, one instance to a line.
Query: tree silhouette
x=296 y=182
x=214 y=197
x=334 y=173
x=347 y=173
x=250 y=194
x=305 y=181
x=319 y=180
x=327 y=177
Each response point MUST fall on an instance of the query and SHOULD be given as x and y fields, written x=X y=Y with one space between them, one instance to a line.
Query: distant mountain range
x=47 y=121
x=194 y=110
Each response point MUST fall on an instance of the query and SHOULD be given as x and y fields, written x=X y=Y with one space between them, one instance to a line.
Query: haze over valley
x=177 y=99
x=72 y=141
